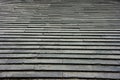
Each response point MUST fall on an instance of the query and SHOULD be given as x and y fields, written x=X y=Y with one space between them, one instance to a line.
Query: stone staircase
x=60 y=39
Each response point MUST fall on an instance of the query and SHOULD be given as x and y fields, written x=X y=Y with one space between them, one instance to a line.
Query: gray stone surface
x=59 y=39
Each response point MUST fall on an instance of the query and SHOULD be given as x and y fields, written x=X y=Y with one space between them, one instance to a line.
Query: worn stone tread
x=60 y=61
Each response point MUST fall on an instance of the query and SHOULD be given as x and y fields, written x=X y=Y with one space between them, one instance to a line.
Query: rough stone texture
x=59 y=39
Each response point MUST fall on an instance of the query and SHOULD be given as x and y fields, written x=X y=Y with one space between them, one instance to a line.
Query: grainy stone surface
x=59 y=39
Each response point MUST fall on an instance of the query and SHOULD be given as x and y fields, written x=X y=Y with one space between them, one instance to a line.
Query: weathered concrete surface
x=60 y=39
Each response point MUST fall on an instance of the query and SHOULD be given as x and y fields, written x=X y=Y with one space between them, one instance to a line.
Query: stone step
x=64 y=68
x=60 y=61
